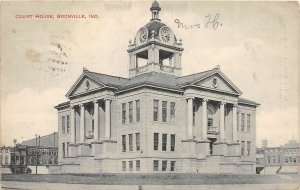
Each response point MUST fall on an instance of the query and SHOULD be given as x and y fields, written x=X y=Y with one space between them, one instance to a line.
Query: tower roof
x=155 y=6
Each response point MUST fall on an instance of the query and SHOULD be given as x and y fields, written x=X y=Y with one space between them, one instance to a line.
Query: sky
x=256 y=45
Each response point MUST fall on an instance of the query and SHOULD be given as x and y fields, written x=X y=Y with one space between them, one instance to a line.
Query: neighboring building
x=18 y=159
x=279 y=159
x=156 y=120
x=34 y=152
x=43 y=149
x=5 y=155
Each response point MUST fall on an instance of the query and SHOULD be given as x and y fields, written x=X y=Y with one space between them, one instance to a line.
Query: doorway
x=211 y=142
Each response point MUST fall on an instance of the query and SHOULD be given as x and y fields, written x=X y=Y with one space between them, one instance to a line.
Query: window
x=238 y=120
x=194 y=114
x=137 y=110
x=130 y=165
x=6 y=159
x=242 y=147
x=155 y=141
x=242 y=122
x=130 y=142
x=63 y=149
x=210 y=123
x=68 y=148
x=164 y=111
x=269 y=159
x=248 y=122
x=155 y=165
x=155 y=110
x=68 y=124
x=164 y=165
x=248 y=147
x=123 y=143
x=124 y=113
x=278 y=159
x=130 y=104
x=274 y=159
x=137 y=141
x=172 y=112
x=172 y=142
x=164 y=142
x=172 y=167
x=123 y=166
x=137 y=165
x=1 y=159
x=63 y=124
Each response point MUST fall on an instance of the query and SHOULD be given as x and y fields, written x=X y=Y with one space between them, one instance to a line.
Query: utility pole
x=36 y=154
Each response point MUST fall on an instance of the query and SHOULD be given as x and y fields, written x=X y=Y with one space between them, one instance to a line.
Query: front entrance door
x=212 y=141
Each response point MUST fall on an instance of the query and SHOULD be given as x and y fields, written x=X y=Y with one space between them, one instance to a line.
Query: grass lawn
x=153 y=179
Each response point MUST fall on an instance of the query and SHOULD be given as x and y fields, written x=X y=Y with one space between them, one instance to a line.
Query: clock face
x=143 y=35
x=165 y=34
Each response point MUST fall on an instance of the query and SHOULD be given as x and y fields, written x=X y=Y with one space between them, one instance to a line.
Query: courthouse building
x=156 y=120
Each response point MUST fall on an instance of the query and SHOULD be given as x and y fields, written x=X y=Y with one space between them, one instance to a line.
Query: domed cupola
x=155 y=48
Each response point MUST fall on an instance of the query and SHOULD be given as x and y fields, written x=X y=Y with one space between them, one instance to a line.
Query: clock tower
x=155 y=48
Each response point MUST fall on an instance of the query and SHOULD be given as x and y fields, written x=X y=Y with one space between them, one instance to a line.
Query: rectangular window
x=137 y=165
x=164 y=142
x=269 y=159
x=130 y=165
x=278 y=159
x=68 y=124
x=155 y=165
x=63 y=149
x=164 y=111
x=172 y=166
x=172 y=112
x=242 y=147
x=248 y=147
x=155 y=141
x=137 y=110
x=274 y=159
x=124 y=113
x=164 y=165
x=130 y=142
x=123 y=143
x=194 y=114
x=172 y=142
x=130 y=105
x=248 y=122
x=242 y=121
x=155 y=110
x=137 y=141
x=63 y=124
x=238 y=121
x=123 y=166
x=68 y=148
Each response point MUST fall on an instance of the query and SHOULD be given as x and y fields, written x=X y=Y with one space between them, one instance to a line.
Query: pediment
x=83 y=85
x=219 y=83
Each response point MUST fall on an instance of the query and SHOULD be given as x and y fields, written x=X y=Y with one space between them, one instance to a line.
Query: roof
x=154 y=79
x=248 y=102
x=154 y=25
x=45 y=141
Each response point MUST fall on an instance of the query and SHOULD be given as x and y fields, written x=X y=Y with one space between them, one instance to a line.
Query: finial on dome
x=155 y=10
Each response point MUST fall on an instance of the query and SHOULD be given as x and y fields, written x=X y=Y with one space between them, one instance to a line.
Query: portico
x=87 y=120
x=206 y=123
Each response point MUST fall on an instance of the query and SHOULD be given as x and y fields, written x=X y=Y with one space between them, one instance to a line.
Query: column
x=190 y=118
x=222 y=104
x=107 y=118
x=73 y=128
x=204 y=119
x=96 y=120
x=82 y=128
x=234 y=124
